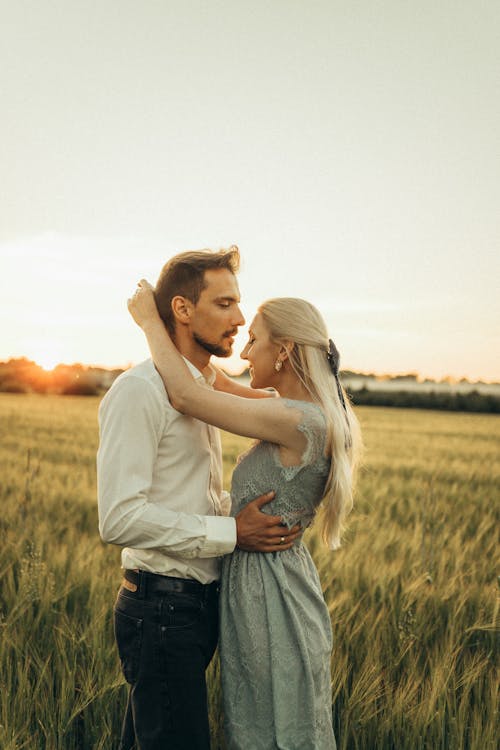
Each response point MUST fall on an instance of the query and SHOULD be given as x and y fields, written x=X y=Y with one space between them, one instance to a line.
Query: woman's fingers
x=142 y=305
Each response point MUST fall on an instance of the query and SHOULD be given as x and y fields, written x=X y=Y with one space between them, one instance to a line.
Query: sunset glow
x=47 y=363
x=354 y=161
x=47 y=354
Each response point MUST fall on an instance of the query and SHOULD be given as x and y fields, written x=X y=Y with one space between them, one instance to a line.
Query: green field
x=413 y=593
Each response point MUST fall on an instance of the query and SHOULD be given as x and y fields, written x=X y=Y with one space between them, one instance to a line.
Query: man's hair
x=184 y=275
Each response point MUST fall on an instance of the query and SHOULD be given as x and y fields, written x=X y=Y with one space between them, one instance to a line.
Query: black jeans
x=165 y=642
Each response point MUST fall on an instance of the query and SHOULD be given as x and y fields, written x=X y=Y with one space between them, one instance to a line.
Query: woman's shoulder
x=312 y=423
x=310 y=410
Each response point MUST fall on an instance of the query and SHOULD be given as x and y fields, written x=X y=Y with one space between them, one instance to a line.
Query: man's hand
x=258 y=532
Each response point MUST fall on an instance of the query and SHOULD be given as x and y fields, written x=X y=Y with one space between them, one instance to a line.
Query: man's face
x=216 y=316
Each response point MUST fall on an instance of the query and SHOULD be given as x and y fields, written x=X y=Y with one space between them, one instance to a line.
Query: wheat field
x=413 y=593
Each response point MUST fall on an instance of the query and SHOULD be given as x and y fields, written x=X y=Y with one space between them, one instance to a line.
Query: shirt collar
x=197 y=375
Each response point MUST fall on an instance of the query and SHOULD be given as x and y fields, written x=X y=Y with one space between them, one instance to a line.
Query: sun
x=47 y=361
x=47 y=358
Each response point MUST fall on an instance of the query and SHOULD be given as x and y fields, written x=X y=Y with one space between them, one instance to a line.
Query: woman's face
x=261 y=355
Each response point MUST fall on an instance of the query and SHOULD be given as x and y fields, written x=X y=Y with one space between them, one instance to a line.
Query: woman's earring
x=278 y=365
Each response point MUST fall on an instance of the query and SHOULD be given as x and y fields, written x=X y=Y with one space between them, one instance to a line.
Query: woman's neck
x=291 y=387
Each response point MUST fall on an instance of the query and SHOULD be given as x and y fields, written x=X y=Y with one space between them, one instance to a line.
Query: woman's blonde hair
x=289 y=319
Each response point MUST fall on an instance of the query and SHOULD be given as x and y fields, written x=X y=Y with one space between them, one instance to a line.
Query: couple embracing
x=201 y=566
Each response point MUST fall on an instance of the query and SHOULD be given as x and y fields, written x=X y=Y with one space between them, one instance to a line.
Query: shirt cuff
x=225 y=502
x=220 y=536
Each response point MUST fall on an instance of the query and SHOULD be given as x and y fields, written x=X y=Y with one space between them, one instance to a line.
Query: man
x=160 y=496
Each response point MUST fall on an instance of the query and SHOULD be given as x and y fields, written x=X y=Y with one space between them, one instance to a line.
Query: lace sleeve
x=313 y=426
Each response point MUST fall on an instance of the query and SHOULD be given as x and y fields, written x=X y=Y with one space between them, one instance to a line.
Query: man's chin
x=216 y=350
x=226 y=351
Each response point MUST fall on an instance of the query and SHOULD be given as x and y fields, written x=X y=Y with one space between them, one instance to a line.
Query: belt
x=153 y=583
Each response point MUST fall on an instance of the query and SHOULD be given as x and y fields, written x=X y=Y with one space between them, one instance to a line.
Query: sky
x=350 y=149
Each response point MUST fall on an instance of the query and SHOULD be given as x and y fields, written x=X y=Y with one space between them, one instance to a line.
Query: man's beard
x=215 y=349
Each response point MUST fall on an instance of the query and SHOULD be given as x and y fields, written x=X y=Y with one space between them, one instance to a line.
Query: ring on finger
x=282 y=539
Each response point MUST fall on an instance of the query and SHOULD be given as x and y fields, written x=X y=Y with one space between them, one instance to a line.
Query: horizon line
x=360 y=373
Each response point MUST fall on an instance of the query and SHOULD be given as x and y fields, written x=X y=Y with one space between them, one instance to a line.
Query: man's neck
x=192 y=351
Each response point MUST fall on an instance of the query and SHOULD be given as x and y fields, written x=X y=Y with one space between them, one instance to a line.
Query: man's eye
x=223 y=304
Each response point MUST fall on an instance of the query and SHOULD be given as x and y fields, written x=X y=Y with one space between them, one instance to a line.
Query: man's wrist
x=220 y=536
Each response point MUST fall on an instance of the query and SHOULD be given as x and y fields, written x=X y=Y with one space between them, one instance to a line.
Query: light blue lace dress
x=275 y=634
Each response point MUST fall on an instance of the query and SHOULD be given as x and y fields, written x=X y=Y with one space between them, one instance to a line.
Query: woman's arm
x=262 y=418
x=228 y=385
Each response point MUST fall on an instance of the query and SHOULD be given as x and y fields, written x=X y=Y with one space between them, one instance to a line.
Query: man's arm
x=131 y=420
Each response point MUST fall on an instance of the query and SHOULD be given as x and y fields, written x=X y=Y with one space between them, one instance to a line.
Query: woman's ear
x=181 y=308
x=286 y=350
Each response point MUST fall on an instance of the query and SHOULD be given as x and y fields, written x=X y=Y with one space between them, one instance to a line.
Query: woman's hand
x=142 y=305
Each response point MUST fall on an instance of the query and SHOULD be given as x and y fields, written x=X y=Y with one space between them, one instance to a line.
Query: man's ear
x=182 y=309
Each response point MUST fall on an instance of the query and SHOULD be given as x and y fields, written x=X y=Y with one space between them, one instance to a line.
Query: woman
x=275 y=633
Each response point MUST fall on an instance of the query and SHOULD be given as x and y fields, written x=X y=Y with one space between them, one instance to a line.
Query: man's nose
x=239 y=319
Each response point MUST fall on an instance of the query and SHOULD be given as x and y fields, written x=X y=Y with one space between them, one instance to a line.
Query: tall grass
x=413 y=593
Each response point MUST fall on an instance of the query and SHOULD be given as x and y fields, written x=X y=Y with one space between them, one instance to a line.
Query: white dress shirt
x=159 y=479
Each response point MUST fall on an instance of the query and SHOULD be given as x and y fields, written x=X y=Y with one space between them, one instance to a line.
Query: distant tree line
x=24 y=376
x=472 y=401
